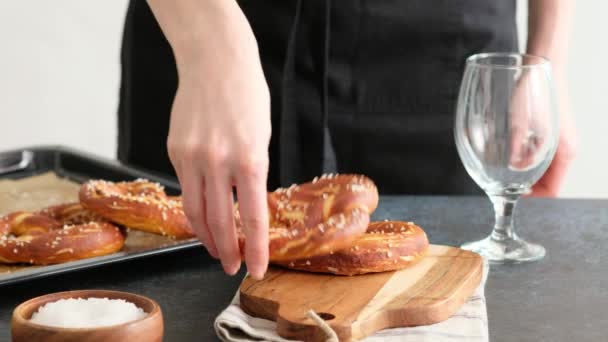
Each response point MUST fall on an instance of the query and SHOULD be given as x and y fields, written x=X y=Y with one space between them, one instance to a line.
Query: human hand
x=530 y=132
x=550 y=184
x=220 y=128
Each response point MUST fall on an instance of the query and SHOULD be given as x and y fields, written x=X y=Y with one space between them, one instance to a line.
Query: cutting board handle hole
x=326 y=316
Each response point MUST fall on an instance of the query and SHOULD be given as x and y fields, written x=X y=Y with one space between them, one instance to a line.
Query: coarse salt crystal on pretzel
x=313 y=218
x=55 y=235
x=139 y=204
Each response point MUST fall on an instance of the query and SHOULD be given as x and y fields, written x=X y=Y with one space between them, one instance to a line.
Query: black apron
x=356 y=87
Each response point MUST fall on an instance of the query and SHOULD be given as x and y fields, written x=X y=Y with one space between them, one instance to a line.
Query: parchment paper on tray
x=36 y=192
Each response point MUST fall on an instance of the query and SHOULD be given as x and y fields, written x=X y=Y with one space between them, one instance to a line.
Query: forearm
x=205 y=31
x=548 y=30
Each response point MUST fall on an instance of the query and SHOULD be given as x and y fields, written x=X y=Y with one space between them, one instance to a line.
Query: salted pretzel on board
x=327 y=213
x=55 y=235
x=385 y=246
x=138 y=204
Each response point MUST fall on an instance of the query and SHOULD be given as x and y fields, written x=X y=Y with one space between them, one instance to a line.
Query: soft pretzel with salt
x=386 y=246
x=139 y=204
x=313 y=218
x=308 y=219
x=55 y=235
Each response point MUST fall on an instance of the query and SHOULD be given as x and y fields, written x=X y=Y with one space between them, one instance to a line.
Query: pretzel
x=325 y=214
x=55 y=235
x=386 y=246
x=314 y=218
x=139 y=204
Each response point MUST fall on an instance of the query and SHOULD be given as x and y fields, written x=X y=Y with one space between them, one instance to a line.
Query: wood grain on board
x=426 y=293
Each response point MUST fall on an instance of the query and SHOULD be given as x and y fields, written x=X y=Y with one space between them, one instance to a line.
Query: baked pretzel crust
x=319 y=226
x=139 y=204
x=386 y=246
x=55 y=235
x=314 y=218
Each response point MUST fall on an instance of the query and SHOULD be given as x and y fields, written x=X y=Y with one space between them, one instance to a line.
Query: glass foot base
x=511 y=250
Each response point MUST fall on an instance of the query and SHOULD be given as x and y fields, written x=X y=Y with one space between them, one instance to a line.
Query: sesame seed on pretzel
x=139 y=204
x=314 y=218
x=55 y=235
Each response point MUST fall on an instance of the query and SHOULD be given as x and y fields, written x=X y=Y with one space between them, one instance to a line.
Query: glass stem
x=504 y=208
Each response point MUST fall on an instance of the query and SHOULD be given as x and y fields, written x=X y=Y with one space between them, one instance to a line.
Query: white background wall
x=59 y=76
x=59 y=73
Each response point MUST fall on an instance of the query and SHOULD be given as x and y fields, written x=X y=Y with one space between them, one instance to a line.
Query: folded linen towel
x=469 y=323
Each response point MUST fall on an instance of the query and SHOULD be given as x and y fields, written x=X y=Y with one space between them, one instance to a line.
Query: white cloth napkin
x=469 y=323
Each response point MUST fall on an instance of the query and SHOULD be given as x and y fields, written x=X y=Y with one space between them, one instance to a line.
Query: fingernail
x=258 y=274
x=232 y=270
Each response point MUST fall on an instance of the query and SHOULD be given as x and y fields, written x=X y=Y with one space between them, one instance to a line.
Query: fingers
x=548 y=185
x=252 y=196
x=209 y=134
x=220 y=220
x=193 y=192
x=183 y=158
x=530 y=121
x=520 y=130
x=551 y=182
x=517 y=144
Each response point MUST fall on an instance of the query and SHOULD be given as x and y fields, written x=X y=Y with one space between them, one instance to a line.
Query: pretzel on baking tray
x=55 y=235
x=385 y=246
x=314 y=218
x=139 y=204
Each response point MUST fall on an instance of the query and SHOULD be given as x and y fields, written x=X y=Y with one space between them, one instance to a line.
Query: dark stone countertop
x=561 y=298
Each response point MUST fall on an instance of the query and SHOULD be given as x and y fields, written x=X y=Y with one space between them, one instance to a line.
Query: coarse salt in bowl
x=87 y=313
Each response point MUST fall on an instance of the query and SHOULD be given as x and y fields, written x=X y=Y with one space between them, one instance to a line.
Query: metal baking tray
x=79 y=166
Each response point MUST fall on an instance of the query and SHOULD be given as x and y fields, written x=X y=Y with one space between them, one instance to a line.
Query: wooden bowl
x=149 y=328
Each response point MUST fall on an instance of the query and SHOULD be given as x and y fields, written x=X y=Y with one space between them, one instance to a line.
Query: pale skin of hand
x=220 y=126
x=548 y=35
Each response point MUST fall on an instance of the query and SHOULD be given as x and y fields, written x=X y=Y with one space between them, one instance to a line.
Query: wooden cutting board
x=426 y=293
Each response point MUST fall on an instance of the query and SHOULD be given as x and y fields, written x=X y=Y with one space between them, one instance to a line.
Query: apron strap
x=329 y=157
x=290 y=140
x=287 y=144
